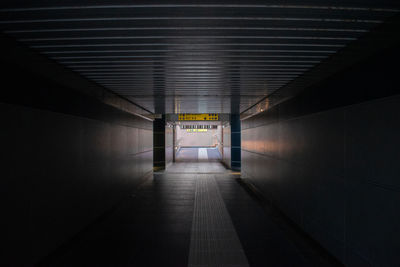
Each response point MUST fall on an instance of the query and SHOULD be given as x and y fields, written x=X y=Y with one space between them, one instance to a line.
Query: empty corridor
x=192 y=214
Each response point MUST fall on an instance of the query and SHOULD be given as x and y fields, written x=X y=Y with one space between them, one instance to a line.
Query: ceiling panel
x=190 y=56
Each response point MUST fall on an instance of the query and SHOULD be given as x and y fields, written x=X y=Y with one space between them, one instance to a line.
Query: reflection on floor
x=193 y=214
x=198 y=154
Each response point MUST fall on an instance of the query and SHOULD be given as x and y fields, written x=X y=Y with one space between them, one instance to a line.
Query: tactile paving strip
x=214 y=241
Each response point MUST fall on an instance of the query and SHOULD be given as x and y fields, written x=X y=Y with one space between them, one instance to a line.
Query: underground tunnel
x=200 y=133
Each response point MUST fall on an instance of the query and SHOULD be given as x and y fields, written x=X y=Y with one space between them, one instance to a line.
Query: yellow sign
x=198 y=117
x=196 y=130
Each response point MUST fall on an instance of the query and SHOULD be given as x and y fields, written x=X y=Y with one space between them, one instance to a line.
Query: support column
x=159 y=144
x=235 y=142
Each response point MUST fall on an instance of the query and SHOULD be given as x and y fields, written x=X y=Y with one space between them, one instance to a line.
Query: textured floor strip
x=214 y=241
x=203 y=154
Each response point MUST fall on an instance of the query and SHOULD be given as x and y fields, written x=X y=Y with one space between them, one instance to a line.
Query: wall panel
x=60 y=173
x=335 y=174
x=226 y=157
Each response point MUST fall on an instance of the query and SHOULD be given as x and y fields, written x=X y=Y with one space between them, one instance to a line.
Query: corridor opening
x=198 y=141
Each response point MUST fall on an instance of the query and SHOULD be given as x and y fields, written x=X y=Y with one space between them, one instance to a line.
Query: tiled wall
x=197 y=139
x=169 y=145
x=227 y=145
x=60 y=172
x=335 y=173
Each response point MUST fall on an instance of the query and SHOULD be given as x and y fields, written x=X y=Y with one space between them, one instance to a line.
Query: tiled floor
x=214 y=241
x=192 y=214
x=198 y=154
x=196 y=167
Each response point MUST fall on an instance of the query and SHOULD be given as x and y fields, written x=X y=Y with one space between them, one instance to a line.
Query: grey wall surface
x=219 y=139
x=226 y=159
x=60 y=172
x=70 y=150
x=335 y=173
x=169 y=145
x=197 y=139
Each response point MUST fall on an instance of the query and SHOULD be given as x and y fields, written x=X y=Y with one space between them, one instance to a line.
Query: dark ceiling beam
x=335 y=8
x=344 y=18
x=194 y=37
x=184 y=44
x=183 y=72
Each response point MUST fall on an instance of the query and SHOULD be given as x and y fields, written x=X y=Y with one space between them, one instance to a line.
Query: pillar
x=159 y=144
x=235 y=142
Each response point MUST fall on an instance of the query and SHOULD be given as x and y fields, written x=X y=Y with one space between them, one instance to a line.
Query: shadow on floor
x=154 y=226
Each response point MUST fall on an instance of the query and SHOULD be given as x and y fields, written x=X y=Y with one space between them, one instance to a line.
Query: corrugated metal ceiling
x=191 y=56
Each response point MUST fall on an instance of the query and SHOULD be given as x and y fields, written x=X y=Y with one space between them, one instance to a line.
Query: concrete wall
x=66 y=156
x=200 y=139
x=169 y=145
x=328 y=158
x=335 y=173
x=219 y=139
x=60 y=172
x=226 y=158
